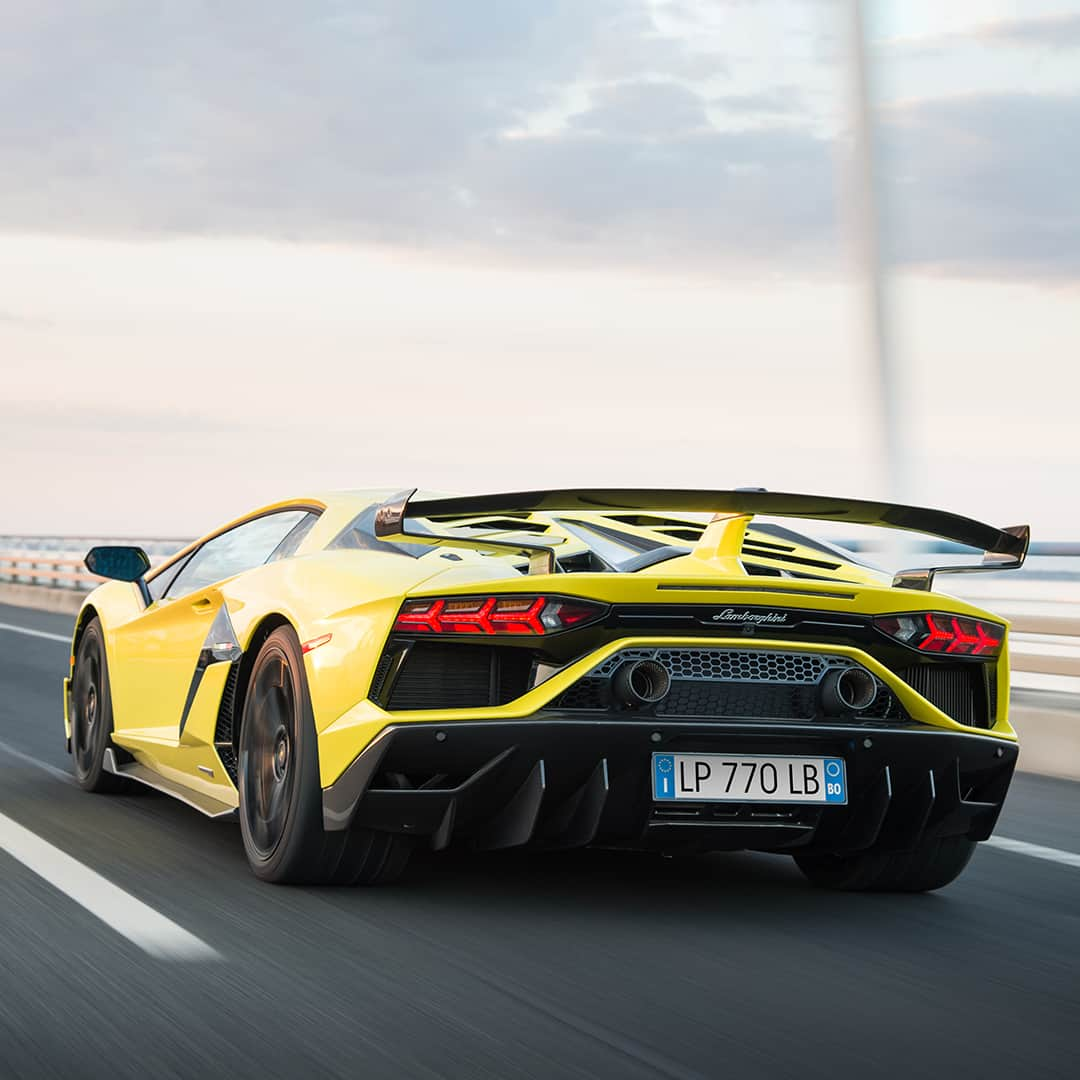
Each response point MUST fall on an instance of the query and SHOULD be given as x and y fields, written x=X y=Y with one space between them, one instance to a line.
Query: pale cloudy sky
x=253 y=249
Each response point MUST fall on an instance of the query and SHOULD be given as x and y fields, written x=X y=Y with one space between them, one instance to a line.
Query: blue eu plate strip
x=835 y=781
x=663 y=776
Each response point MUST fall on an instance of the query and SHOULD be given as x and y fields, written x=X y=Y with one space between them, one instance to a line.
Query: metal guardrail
x=38 y=568
x=1043 y=643
x=57 y=561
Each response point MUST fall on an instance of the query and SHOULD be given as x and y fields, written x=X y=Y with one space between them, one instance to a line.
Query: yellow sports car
x=357 y=674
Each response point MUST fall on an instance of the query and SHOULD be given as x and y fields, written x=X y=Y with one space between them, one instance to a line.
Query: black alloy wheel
x=90 y=713
x=932 y=864
x=266 y=758
x=280 y=792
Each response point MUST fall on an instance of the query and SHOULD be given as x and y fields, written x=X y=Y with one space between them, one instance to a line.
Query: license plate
x=748 y=778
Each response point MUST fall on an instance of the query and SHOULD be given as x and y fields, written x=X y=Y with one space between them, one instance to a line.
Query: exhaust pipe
x=640 y=682
x=847 y=690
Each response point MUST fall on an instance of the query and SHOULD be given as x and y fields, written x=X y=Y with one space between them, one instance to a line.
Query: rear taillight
x=495 y=615
x=936 y=632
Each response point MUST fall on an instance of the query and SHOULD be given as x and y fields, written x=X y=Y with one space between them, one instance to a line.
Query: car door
x=159 y=658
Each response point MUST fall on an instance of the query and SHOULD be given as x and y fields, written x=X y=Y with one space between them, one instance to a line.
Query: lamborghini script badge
x=746 y=617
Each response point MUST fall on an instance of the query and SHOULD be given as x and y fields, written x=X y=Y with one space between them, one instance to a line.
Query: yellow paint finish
x=202 y=719
x=153 y=658
x=722 y=540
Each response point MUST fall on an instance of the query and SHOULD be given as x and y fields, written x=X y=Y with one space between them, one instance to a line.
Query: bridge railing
x=56 y=562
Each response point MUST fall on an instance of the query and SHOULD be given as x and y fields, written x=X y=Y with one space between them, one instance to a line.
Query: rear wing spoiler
x=1005 y=549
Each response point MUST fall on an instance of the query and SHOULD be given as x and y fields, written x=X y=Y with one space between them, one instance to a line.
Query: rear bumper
x=556 y=780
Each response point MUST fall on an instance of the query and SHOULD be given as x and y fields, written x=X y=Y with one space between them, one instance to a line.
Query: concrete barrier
x=41 y=599
x=1049 y=739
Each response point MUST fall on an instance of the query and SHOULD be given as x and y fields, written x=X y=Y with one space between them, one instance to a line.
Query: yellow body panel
x=354 y=595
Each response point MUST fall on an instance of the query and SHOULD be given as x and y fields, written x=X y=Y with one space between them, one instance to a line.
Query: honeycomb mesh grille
x=730 y=684
x=756 y=701
x=731 y=665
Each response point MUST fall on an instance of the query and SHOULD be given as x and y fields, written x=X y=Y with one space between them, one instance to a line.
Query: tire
x=932 y=865
x=91 y=714
x=280 y=793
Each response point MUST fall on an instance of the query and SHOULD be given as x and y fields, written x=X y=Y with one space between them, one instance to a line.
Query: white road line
x=139 y=923
x=35 y=633
x=1034 y=851
x=52 y=770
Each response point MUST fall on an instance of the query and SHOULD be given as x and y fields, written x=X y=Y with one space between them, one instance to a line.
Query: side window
x=243 y=548
x=161 y=581
x=287 y=548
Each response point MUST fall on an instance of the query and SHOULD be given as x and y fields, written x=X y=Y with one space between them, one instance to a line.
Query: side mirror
x=118 y=563
x=121 y=564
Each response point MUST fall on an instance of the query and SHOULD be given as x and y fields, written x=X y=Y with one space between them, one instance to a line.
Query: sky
x=257 y=250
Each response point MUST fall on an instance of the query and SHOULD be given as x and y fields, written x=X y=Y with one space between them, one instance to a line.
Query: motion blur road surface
x=583 y=965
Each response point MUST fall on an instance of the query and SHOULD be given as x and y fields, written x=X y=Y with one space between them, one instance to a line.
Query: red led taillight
x=937 y=632
x=494 y=615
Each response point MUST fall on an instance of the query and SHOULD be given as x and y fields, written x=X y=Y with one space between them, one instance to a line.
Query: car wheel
x=934 y=863
x=91 y=713
x=280 y=793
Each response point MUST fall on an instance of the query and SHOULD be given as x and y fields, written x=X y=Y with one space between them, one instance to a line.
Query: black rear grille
x=958 y=690
x=730 y=684
x=585 y=694
x=458 y=676
x=739 y=699
x=729 y=700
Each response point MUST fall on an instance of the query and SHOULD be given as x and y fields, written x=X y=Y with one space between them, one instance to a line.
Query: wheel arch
x=87 y=613
x=263 y=629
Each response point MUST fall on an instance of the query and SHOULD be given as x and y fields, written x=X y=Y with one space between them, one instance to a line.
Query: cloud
x=1044 y=32
x=410 y=123
x=394 y=124
x=985 y=184
x=1053 y=31
x=642 y=108
x=786 y=101
x=720 y=198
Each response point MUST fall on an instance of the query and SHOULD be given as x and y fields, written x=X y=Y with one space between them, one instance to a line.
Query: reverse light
x=937 y=632
x=494 y=615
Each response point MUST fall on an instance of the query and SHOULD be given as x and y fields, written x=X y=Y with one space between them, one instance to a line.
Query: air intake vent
x=458 y=676
x=734 y=665
x=226 y=722
x=760 y=551
x=958 y=690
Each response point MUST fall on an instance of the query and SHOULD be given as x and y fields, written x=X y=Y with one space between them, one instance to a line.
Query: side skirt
x=212 y=808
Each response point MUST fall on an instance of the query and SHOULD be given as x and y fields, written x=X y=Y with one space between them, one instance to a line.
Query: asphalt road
x=581 y=965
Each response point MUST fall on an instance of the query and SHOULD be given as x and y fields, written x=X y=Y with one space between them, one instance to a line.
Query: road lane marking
x=52 y=770
x=1034 y=851
x=66 y=638
x=138 y=922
